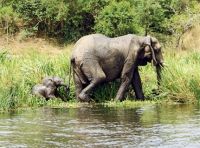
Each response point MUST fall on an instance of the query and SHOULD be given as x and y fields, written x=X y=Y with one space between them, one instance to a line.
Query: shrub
x=8 y=20
x=118 y=18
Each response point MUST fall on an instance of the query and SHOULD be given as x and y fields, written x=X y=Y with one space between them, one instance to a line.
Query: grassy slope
x=22 y=65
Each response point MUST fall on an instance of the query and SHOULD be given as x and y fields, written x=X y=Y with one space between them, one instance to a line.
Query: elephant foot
x=84 y=97
x=50 y=97
x=141 y=99
x=119 y=99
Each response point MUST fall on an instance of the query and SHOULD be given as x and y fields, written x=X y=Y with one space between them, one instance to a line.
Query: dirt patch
x=40 y=45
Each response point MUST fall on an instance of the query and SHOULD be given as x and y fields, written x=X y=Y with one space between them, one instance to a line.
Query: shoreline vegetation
x=21 y=69
x=37 y=36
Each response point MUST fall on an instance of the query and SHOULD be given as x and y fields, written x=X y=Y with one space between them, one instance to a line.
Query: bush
x=70 y=20
x=60 y=19
x=45 y=16
x=118 y=18
x=8 y=20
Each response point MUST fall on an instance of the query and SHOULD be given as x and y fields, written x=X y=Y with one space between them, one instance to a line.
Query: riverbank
x=23 y=64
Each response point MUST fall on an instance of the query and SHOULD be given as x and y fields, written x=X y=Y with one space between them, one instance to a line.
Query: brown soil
x=43 y=46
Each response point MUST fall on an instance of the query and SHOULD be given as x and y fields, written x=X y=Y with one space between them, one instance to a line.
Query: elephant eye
x=157 y=48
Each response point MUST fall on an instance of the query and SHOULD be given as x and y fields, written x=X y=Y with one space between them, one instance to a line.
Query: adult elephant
x=97 y=58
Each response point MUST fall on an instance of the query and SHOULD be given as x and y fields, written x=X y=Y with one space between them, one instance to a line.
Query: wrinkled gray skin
x=97 y=59
x=48 y=88
x=53 y=81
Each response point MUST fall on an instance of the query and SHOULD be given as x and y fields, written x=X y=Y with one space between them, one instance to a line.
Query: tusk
x=163 y=65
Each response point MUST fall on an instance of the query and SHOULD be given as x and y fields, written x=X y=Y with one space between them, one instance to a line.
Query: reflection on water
x=149 y=126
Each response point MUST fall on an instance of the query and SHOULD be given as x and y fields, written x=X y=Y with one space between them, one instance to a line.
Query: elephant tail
x=70 y=71
x=77 y=70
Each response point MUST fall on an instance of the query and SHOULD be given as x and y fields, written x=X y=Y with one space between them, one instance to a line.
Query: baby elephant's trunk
x=67 y=89
x=64 y=93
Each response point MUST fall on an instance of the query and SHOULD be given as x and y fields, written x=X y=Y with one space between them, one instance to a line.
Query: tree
x=117 y=18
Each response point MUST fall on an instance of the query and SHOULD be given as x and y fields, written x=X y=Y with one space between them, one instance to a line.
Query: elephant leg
x=137 y=85
x=50 y=93
x=123 y=88
x=50 y=96
x=78 y=85
x=95 y=75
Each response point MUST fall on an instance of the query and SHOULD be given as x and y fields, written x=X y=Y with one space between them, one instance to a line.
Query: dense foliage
x=70 y=19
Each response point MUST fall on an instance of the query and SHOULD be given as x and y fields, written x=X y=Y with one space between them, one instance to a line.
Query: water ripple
x=146 y=127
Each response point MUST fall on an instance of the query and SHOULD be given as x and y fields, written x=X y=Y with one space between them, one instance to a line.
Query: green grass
x=19 y=73
x=129 y=103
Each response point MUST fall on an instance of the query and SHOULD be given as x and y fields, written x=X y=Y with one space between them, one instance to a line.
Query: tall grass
x=19 y=73
x=180 y=77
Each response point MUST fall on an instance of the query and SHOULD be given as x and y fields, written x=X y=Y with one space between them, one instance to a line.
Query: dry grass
x=191 y=39
x=38 y=45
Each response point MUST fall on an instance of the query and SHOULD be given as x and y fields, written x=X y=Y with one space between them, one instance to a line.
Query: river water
x=170 y=126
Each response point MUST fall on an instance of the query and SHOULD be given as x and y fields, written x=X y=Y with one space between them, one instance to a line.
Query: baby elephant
x=49 y=88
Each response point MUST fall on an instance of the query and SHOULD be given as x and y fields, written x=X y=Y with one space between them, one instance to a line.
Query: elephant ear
x=58 y=81
x=48 y=81
x=154 y=40
x=147 y=41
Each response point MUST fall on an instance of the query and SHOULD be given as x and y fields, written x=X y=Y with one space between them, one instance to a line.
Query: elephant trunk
x=158 y=72
x=66 y=87
x=159 y=65
x=65 y=93
x=153 y=56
